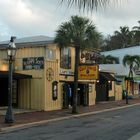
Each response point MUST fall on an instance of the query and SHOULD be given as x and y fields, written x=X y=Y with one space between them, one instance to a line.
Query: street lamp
x=11 y=52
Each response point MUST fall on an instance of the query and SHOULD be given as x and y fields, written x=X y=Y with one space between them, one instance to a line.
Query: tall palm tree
x=81 y=33
x=132 y=62
x=90 y=4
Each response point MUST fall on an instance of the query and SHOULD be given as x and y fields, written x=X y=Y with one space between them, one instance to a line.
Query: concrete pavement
x=24 y=119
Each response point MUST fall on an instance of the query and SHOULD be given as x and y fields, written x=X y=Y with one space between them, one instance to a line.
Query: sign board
x=33 y=63
x=86 y=72
x=66 y=72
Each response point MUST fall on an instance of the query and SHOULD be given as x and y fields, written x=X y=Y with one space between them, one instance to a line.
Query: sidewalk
x=27 y=119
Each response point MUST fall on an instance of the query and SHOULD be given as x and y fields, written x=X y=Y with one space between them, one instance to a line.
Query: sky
x=23 y=18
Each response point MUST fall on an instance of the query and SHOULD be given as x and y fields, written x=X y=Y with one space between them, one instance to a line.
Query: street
x=114 y=125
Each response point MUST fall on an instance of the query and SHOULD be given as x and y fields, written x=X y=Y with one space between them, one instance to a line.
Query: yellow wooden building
x=43 y=74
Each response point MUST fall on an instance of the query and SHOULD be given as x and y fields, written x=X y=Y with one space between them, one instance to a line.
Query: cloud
x=42 y=17
x=24 y=20
x=111 y=19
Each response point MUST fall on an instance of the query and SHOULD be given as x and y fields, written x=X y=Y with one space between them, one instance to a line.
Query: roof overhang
x=4 y=74
x=107 y=76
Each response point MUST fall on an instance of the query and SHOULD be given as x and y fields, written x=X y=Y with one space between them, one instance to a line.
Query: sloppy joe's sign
x=33 y=63
x=88 y=72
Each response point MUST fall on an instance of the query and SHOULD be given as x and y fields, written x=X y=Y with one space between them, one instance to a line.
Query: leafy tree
x=81 y=33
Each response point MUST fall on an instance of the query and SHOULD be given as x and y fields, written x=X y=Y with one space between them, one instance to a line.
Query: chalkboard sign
x=33 y=63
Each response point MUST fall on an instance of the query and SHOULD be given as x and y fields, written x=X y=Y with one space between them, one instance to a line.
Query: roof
x=4 y=74
x=118 y=69
x=33 y=40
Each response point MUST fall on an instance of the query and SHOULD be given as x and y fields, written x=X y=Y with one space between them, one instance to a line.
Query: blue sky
x=24 y=18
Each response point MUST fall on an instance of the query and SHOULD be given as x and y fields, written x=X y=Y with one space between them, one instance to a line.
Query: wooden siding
x=112 y=92
x=3 y=54
x=24 y=93
x=92 y=95
x=51 y=104
x=118 y=92
x=31 y=91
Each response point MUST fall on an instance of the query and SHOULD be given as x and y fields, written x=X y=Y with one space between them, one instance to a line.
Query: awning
x=136 y=79
x=107 y=76
x=4 y=74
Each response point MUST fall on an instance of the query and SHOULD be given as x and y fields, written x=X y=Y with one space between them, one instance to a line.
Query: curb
x=27 y=125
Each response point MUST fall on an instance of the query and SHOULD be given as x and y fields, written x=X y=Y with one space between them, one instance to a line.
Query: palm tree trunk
x=74 y=107
x=126 y=95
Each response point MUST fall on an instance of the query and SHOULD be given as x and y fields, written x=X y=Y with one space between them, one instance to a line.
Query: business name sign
x=86 y=72
x=33 y=63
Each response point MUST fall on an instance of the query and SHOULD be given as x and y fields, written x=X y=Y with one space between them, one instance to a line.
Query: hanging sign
x=86 y=72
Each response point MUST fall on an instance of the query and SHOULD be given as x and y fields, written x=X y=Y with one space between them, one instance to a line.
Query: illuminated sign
x=86 y=72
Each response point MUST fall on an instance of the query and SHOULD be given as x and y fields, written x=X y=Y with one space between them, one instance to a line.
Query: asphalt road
x=114 y=125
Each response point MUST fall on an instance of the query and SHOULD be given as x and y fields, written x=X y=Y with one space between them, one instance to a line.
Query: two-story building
x=43 y=74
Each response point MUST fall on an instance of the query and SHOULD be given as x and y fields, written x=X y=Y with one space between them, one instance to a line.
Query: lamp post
x=11 y=52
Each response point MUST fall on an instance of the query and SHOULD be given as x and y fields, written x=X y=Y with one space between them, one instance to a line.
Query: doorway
x=82 y=94
x=101 y=92
x=3 y=92
x=67 y=89
x=82 y=97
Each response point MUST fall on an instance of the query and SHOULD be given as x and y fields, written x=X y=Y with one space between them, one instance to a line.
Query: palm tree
x=132 y=62
x=136 y=32
x=125 y=36
x=109 y=59
x=89 y=4
x=81 y=33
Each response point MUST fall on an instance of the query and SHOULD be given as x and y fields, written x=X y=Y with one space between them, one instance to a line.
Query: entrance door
x=82 y=97
x=3 y=92
x=101 y=92
x=67 y=95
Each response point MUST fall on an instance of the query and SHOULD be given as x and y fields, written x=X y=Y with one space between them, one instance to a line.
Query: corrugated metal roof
x=40 y=38
x=118 y=69
x=33 y=40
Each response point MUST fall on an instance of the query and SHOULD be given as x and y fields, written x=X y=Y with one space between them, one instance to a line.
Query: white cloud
x=35 y=17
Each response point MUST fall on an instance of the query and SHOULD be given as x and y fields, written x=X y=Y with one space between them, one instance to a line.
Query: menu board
x=33 y=63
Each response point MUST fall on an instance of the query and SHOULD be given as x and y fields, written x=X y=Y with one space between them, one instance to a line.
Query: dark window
x=65 y=58
x=54 y=90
